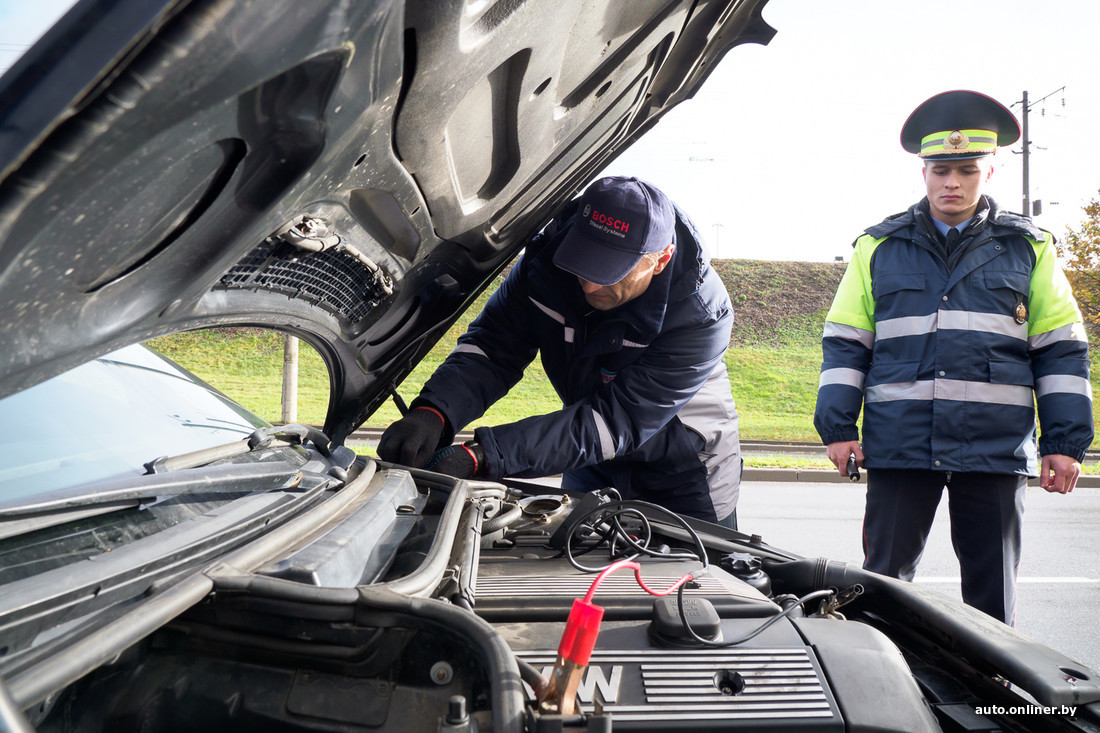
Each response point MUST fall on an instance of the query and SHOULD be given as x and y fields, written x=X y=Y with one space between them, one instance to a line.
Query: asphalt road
x=1058 y=597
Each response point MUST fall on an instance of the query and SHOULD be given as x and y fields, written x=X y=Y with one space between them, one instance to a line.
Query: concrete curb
x=795 y=474
x=748 y=448
x=832 y=477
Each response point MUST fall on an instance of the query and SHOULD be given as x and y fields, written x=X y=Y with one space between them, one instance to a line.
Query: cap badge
x=587 y=211
x=957 y=140
x=1021 y=313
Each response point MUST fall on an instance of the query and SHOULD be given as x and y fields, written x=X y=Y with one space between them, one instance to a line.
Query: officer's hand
x=411 y=440
x=838 y=453
x=1059 y=473
x=461 y=461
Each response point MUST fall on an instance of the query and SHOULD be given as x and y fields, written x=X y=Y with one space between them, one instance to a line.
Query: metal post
x=1027 y=193
x=290 y=379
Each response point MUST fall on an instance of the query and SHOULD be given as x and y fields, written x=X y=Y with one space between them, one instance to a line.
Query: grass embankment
x=773 y=359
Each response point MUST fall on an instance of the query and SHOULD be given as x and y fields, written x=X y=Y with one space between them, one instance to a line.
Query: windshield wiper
x=115 y=494
x=283 y=435
x=189 y=473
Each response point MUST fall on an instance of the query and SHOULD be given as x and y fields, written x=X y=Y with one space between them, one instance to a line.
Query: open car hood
x=350 y=172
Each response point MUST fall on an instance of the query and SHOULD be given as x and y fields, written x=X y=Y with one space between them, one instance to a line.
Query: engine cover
x=798 y=674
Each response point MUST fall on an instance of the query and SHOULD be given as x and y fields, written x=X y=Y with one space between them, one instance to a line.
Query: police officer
x=631 y=323
x=952 y=321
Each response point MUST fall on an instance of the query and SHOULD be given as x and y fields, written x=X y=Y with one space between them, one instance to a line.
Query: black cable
x=644 y=548
x=742 y=639
x=569 y=555
x=702 y=554
x=647 y=530
x=609 y=514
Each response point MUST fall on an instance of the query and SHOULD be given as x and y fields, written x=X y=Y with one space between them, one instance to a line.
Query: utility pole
x=1026 y=107
x=1027 y=182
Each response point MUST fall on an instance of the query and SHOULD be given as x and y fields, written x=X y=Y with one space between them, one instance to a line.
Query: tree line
x=1080 y=250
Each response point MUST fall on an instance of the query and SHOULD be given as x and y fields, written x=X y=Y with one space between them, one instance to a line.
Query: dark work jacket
x=949 y=353
x=644 y=387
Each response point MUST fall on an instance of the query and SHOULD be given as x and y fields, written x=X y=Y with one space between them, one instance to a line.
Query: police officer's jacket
x=644 y=387
x=949 y=354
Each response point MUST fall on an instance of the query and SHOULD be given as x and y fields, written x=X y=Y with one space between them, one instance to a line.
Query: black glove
x=411 y=440
x=461 y=461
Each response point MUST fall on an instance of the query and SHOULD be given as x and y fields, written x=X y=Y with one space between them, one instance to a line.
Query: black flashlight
x=852 y=468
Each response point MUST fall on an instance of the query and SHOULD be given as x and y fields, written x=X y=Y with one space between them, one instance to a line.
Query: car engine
x=431 y=604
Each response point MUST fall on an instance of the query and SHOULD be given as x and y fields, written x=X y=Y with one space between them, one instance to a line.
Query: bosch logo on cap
x=607 y=223
x=611 y=221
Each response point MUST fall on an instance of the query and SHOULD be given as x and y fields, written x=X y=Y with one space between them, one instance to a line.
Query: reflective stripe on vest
x=557 y=317
x=842 y=375
x=907 y=326
x=949 y=320
x=849 y=333
x=1064 y=384
x=467 y=349
x=607 y=442
x=1072 y=332
x=956 y=390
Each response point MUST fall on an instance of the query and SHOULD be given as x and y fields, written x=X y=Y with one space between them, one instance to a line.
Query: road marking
x=1071 y=579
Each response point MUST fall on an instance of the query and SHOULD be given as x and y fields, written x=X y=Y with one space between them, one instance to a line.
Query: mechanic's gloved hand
x=411 y=440
x=461 y=461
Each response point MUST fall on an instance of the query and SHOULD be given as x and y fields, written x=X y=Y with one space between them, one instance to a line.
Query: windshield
x=108 y=418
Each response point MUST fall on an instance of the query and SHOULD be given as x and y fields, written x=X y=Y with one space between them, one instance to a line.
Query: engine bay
x=432 y=604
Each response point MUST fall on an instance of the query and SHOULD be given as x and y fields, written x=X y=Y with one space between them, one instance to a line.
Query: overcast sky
x=22 y=22
x=791 y=149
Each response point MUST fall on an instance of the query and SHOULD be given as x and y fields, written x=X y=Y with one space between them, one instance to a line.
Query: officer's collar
x=934 y=225
x=1001 y=220
x=988 y=213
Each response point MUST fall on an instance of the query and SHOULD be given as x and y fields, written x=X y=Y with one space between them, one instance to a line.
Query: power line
x=1025 y=107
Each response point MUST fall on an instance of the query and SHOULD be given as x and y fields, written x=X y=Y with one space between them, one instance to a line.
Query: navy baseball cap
x=618 y=220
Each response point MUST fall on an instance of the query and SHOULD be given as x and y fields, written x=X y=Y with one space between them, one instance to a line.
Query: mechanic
x=618 y=296
x=951 y=320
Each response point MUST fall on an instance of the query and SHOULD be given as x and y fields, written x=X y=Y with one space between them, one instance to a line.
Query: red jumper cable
x=579 y=639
